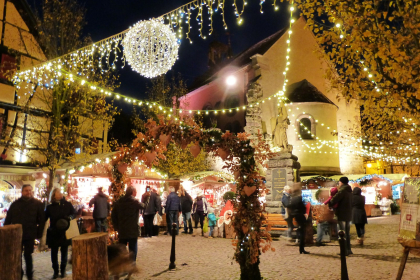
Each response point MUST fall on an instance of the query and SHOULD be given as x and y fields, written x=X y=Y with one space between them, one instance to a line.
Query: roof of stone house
x=261 y=47
x=304 y=91
x=241 y=59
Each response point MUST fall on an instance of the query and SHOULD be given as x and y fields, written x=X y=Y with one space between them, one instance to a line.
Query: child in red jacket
x=333 y=192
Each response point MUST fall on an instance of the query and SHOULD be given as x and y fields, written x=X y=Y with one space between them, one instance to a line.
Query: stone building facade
x=334 y=123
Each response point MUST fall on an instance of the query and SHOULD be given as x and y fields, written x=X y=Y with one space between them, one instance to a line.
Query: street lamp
x=231 y=80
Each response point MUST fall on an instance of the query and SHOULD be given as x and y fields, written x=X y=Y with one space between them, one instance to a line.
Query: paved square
x=202 y=258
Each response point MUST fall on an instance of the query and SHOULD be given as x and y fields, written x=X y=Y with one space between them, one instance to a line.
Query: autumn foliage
x=374 y=47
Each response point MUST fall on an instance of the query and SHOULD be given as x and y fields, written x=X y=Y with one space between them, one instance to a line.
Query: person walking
x=298 y=211
x=186 y=206
x=60 y=212
x=359 y=218
x=151 y=199
x=285 y=200
x=173 y=208
x=344 y=209
x=101 y=210
x=28 y=212
x=200 y=209
x=125 y=218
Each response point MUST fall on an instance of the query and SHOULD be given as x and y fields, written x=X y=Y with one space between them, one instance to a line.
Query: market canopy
x=361 y=177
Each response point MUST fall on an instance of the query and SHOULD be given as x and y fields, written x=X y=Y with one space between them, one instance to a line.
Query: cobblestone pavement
x=198 y=257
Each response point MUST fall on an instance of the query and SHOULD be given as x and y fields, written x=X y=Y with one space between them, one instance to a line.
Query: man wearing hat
x=29 y=212
x=344 y=209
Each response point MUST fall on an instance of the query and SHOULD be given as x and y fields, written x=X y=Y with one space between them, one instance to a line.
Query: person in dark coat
x=343 y=211
x=101 y=210
x=173 y=208
x=200 y=210
x=297 y=211
x=186 y=206
x=125 y=219
x=28 y=212
x=60 y=212
x=151 y=199
x=359 y=218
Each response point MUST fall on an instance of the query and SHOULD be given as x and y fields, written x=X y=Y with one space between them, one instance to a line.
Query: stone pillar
x=253 y=122
x=280 y=172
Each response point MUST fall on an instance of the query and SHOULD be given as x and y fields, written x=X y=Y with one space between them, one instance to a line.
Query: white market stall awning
x=355 y=177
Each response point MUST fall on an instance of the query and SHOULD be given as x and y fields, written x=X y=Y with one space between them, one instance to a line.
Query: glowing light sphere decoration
x=151 y=48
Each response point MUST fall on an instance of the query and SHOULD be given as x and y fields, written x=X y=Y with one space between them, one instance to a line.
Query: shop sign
x=278 y=183
x=410 y=210
x=17 y=178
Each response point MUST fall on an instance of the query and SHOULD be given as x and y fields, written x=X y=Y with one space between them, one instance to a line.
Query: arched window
x=305 y=129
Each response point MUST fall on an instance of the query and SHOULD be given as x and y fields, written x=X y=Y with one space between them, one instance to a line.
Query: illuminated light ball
x=151 y=48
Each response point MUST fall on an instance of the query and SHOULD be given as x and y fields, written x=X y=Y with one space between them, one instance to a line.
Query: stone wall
x=282 y=160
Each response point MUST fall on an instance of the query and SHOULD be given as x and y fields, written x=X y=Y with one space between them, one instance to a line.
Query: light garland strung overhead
x=107 y=52
x=150 y=48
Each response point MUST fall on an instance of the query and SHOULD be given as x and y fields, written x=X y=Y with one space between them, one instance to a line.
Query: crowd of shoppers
x=347 y=204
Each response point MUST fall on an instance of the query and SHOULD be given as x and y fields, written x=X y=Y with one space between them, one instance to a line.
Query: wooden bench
x=277 y=223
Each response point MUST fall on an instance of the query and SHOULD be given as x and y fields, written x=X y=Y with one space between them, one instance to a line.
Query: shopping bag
x=73 y=230
x=180 y=221
x=157 y=220
x=42 y=246
x=141 y=220
x=206 y=226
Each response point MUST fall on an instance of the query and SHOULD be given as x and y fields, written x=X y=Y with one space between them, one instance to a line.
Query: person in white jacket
x=200 y=210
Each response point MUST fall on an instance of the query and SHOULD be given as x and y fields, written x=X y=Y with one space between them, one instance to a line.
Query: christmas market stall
x=83 y=184
x=377 y=190
x=218 y=188
x=213 y=184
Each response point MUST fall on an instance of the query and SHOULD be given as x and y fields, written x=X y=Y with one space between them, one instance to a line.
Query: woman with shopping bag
x=60 y=212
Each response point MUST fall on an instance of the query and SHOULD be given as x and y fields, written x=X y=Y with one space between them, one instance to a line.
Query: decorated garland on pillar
x=240 y=158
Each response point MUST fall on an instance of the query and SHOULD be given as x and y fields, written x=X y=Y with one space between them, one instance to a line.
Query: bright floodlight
x=231 y=80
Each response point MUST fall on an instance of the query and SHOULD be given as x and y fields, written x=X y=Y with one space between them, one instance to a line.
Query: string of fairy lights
x=376 y=149
x=106 y=53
